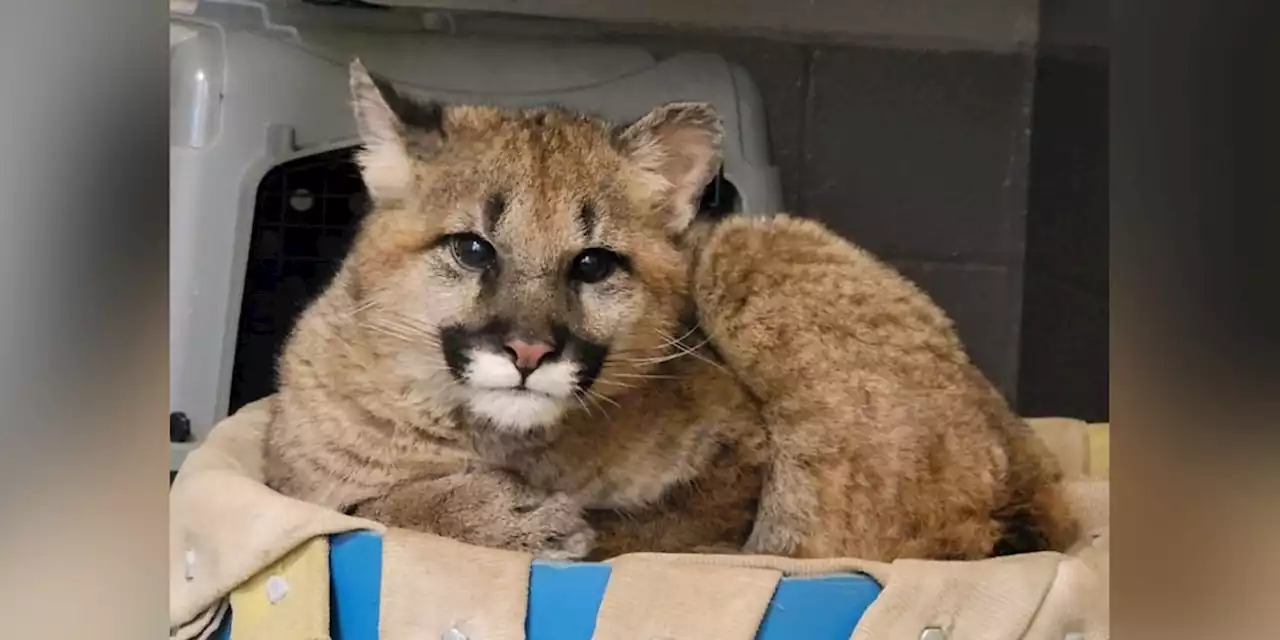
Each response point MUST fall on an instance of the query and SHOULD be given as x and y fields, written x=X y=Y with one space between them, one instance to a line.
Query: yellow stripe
x=288 y=600
x=1100 y=451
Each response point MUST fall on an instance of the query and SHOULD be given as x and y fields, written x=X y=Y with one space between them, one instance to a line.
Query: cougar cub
x=533 y=346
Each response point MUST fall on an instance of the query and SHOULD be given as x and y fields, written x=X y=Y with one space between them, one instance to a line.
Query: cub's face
x=521 y=264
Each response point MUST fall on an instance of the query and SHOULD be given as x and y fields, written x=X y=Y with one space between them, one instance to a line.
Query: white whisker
x=652 y=376
x=598 y=406
x=691 y=351
x=410 y=329
x=398 y=330
x=379 y=328
x=671 y=341
x=601 y=396
x=577 y=395
x=683 y=351
x=413 y=323
x=615 y=383
x=667 y=342
x=357 y=309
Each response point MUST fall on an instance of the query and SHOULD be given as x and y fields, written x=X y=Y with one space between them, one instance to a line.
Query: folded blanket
x=226 y=527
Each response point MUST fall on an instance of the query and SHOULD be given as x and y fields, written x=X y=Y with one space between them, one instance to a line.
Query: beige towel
x=225 y=525
x=646 y=599
x=1091 y=502
x=433 y=587
x=1030 y=596
x=993 y=599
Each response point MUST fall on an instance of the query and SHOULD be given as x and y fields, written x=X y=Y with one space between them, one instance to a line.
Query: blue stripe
x=564 y=598
x=355 y=570
x=818 y=607
x=224 y=630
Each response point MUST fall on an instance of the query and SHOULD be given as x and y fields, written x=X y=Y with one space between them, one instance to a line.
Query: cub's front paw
x=555 y=529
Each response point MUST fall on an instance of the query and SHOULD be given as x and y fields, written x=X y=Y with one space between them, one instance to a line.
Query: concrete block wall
x=1065 y=359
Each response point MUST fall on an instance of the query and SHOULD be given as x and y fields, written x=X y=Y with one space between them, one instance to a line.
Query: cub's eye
x=594 y=265
x=472 y=251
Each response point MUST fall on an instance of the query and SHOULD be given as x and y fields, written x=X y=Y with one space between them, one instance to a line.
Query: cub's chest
x=654 y=441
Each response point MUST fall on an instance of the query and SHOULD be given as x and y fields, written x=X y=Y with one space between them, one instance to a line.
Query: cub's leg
x=487 y=508
x=713 y=514
x=787 y=512
x=863 y=499
x=883 y=446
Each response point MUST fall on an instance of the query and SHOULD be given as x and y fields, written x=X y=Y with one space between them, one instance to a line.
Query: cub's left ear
x=393 y=128
x=677 y=148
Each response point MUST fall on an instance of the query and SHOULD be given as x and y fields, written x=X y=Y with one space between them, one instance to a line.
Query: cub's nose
x=527 y=356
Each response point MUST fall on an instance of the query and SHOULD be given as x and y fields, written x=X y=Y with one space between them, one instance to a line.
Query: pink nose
x=527 y=356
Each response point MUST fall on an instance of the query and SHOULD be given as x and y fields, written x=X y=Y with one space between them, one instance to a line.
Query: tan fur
x=887 y=441
x=371 y=421
x=820 y=406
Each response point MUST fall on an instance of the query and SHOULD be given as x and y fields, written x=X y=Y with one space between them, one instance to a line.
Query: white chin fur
x=493 y=381
x=556 y=379
x=491 y=371
x=516 y=410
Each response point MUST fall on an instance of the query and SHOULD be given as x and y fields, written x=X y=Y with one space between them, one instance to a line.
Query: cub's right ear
x=393 y=128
